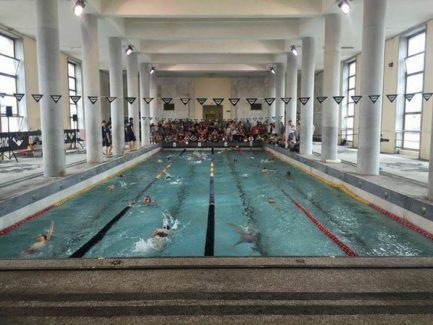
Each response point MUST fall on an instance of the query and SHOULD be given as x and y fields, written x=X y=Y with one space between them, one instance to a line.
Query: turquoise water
x=253 y=215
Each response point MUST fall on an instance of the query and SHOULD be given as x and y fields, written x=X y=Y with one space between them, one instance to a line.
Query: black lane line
x=210 y=231
x=180 y=155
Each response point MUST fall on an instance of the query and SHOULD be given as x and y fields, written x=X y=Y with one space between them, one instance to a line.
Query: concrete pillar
x=280 y=82
x=331 y=87
x=430 y=175
x=373 y=52
x=47 y=35
x=291 y=90
x=272 y=94
x=153 y=93
x=307 y=90
x=116 y=90
x=145 y=108
x=91 y=82
x=132 y=84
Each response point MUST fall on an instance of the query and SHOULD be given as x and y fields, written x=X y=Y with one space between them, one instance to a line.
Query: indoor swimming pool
x=263 y=207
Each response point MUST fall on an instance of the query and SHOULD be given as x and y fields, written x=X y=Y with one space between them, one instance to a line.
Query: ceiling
x=213 y=37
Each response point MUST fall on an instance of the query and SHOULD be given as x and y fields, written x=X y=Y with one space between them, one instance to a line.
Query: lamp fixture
x=129 y=49
x=294 y=50
x=344 y=6
x=272 y=70
x=79 y=7
x=152 y=71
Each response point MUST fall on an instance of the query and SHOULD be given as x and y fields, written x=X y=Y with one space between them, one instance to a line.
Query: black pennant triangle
x=269 y=101
x=409 y=97
x=251 y=101
x=110 y=99
x=93 y=99
x=304 y=100
x=391 y=97
x=338 y=99
x=374 y=98
x=75 y=99
x=427 y=96
x=130 y=100
x=201 y=100
x=218 y=101
x=37 y=97
x=234 y=101
x=321 y=99
x=356 y=99
x=185 y=100
x=56 y=98
x=166 y=100
x=19 y=97
x=286 y=100
x=147 y=100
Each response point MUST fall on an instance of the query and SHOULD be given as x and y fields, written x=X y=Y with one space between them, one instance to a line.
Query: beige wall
x=426 y=127
x=210 y=88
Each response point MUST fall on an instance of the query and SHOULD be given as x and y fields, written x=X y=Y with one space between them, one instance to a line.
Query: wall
x=105 y=91
x=212 y=88
x=428 y=87
x=318 y=91
x=250 y=87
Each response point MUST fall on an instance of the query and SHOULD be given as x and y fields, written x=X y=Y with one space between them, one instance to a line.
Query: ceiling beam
x=212 y=58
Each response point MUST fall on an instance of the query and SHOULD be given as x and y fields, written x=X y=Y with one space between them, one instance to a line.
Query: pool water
x=254 y=215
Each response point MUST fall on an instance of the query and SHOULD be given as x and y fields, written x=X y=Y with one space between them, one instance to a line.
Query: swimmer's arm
x=50 y=230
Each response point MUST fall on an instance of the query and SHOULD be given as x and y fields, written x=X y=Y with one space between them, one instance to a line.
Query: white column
x=144 y=108
x=116 y=90
x=280 y=78
x=307 y=90
x=272 y=94
x=153 y=93
x=331 y=87
x=47 y=36
x=132 y=84
x=430 y=175
x=291 y=90
x=373 y=52
x=91 y=81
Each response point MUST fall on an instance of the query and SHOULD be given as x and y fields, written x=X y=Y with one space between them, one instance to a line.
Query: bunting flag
x=75 y=99
x=185 y=100
x=356 y=99
x=304 y=100
x=391 y=97
x=19 y=97
x=427 y=96
x=201 y=100
x=37 y=97
x=338 y=99
x=166 y=100
x=234 y=101
x=130 y=100
x=374 y=98
x=251 y=101
x=286 y=100
x=218 y=101
x=147 y=100
x=93 y=99
x=2 y=95
x=56 y=98
x=269 y=101
x=409 y=97
x=321 y=99
x=110 y=99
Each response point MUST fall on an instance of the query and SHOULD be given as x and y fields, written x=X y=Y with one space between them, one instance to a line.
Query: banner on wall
x=234 y=101
x=304 y=100
x=427 y=96
x=391 y=97
x=374 y=98
x=93 y=99
x=251 y=101
x=356 y=99
x=166 y=100
x=185 y=100
x=56 y=98
x=37 y=97
x=130 y=100
x=218 y=101
x=338 y=99
x=321 y=99
x=110 y=99
x=75 y=99
x=19 y=97
x=409 y=97
x=286 y=100
x=201 y=100
x=147 y=100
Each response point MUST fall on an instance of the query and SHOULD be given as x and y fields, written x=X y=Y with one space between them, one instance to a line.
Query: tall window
x=72 y=87
x=8 y=85
x=414 y=79
x=349 y=114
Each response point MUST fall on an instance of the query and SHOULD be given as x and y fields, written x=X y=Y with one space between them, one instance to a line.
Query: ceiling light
x=294 y=50
x=129 y=49
x=152 y=70
x=344 y=6
x=79 y=7
x=272 y=70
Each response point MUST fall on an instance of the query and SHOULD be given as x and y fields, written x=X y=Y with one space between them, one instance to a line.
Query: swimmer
x=246 y=234
x=274 y=203
x=111 y=187
x=289 y=173
x=147 y=200
x=244 y=175
x=123 y=184
x=161 y=232
x=159 y=161
x=178 y=181
x=265 y=171
x=235 y=160
x=131 y=204
x=41 y=240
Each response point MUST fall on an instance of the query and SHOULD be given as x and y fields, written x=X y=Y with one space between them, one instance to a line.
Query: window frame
x=347 y=136
x=72 y=92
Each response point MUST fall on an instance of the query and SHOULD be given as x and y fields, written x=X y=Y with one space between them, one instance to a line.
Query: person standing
x=106 y=138
x=130 y=136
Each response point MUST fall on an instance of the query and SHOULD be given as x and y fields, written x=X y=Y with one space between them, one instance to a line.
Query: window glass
x=412 y=122
x=411 y=140
x=414 y=83
x=416 y=44
x=415 y=105
x=415 y=63
x=7 y=46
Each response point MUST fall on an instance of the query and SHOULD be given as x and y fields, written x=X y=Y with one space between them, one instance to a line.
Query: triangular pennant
x=19 y=97
x=37 y=97
x=251 y=101
x=185 y=100
x=234 y=101
x=374 y=98
x=2 y=95
x=269 y=101
x=304 y=100
x=321 y=99
x=110 y=99
x=56 y=98
x=93 y=99
x=147 y=100
x=338 y=99
x=201 y=100
x=218 y=101
x=130 y=100
x=286 y=100
x=356 y=99
x=166 y=100
x=427 y=96
x=75 y=99
x=391 y=97
x=409 y=97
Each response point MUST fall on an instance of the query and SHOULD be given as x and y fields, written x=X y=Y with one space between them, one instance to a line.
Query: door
x=212 y=112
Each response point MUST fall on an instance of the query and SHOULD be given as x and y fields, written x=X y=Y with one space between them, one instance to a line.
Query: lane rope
x=210 y=231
